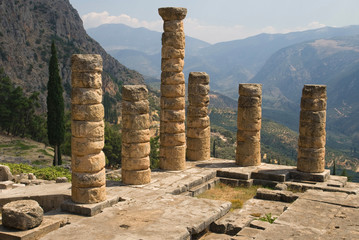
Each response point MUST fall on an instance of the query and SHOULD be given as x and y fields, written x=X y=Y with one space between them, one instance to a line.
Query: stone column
x=87 y=127
x=135 y=135
x=249 y=122
x=311 y=143
x=172 y=127
x=198 y=123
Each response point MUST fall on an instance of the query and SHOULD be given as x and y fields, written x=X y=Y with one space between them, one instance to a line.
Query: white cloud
x=193 y=27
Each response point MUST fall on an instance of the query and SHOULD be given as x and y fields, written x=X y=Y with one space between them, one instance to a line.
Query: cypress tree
x=55 y=107
x=214 y=149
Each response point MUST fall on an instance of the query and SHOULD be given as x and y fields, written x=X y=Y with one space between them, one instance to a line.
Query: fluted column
x=87 y=127
x=172 y=127
x=198 y=122
x=311 y=143
x=135 y=135
x=249 y=122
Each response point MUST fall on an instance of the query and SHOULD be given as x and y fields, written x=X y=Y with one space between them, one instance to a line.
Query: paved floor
x=164 y=209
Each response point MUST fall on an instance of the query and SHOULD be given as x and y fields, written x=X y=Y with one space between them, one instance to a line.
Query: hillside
x=26 y=31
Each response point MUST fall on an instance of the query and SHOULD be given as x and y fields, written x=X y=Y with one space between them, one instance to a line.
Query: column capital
x=172 y=13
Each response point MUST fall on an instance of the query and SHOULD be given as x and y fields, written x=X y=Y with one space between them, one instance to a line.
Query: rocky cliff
x=27 y=28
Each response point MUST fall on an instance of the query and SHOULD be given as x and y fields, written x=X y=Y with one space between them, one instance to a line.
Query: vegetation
x=47 y=173
x=55 y=107
x=155 y=152
x=237 y=196
x=113 y=143
x=268 y=218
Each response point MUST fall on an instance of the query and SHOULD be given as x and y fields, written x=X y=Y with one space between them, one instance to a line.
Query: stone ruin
x=88 y=160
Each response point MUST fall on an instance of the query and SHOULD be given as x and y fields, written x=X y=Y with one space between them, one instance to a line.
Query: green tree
x=155 y=152
x=113 y=145
x=55 y=107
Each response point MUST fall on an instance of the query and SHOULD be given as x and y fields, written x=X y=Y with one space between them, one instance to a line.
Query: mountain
x=26 y=31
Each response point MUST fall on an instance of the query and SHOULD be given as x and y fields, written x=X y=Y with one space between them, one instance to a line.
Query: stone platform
x=166 y=208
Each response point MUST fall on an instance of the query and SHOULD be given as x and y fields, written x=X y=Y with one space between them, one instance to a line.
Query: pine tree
x=55 y=107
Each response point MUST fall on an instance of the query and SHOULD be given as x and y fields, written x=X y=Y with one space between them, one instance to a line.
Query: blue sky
x=224 y=20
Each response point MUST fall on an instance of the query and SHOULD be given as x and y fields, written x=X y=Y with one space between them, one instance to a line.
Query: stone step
x=193 y=192
x=276 y=195
x=193 y=181
x=236 y=182
x=234 y=175
x=272 y=175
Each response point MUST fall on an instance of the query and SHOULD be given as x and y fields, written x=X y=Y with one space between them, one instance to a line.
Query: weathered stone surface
x=173 y=127
x=313 y=116
x=172 y=78
x=136 y=150
x=312 y=129
x=311 y=142
x=200 y=89
x=93 y=112
x=318 y=153
x=198 y=143
x=198 y=78
x=5 y=173
x=176 y=139
x=172 y=64
x=135 y=164
x=173 y=26
x=136 y=136
x=6 y=184
x=199 y=100
x=85 y=180
x=201 y=122
x=176 y=163
x=86 y=63
x=86 y=80
x=177 y=103
x=134 y=93
x=250 y=136
x=172 y=13
x=132 y=108
x=61 y=180
x=276 y=195
x=88 y=163
x=197 y=112
x=136 y=177
x=85 y=146
x=250 y=90
x=136 y=122
x=250 y=114
x=244 y=124
x=318 y=104
x=246 y=101
x=199 y=132
x=173 y=91
x=314 y=91
x=174 y=39
x=88 y=195
x=173 y=115
x=311 y=164
x=86 y=95
x=173 y=152
x=171 y=52
x=22 y=214
x=199 y=154
x=248 y=154
x=85 y=129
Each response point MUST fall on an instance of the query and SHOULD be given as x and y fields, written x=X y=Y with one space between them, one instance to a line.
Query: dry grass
x=237 y=196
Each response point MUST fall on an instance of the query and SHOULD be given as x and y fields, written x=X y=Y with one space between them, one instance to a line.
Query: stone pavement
x=165 y=208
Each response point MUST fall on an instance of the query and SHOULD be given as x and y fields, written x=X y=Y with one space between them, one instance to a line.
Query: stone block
x=5 y=173
x=311 y=164
x=88 y=163
x=86 y=63
x=311 y=176
x=136 y=150
x=136 y=122
x=86 y=80
x=312 y=129
x=262 y=225
x=198 y=89
x=198 y=100
x=86 y=180
x=199 y=132
x=85 y=146
x=177 y=103
x=175 y=152
x=173 y=163
x=197 y=112
x=314 y=91
x=88 y=195
x=135 y=164
x=173 y=115
x=173 y=26
x=248 y=136
x=199 y=154
x=61 y=180
x=172 y=78
x=174 y=39
x=246 y=158
x=198 y=78
x=171 y=52
x=134 y=93
x=194 y=122
x=168 y=139
x=136 y=136
x=22 y=214
x=86 y=96
x=172 y=64
x=249 y=102
x=139 y=107
x=250 y=114
x=93 y=112
x=250 y=89
x=85 y=129
x=234 y=174
x=172 y=127
x=313 y=116
x=173 y=91
x=311 y=142
x=313 y=104
x=172 y=13
x=6 y=184
x=315 y=153
x=136 y=177
x=198 y=143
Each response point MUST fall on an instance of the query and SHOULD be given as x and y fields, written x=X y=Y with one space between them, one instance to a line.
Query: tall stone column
x=172 y=126
x=249 y=122
x=135 y=135
x=311 y=143
x=198 y=123
x=87 y=127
